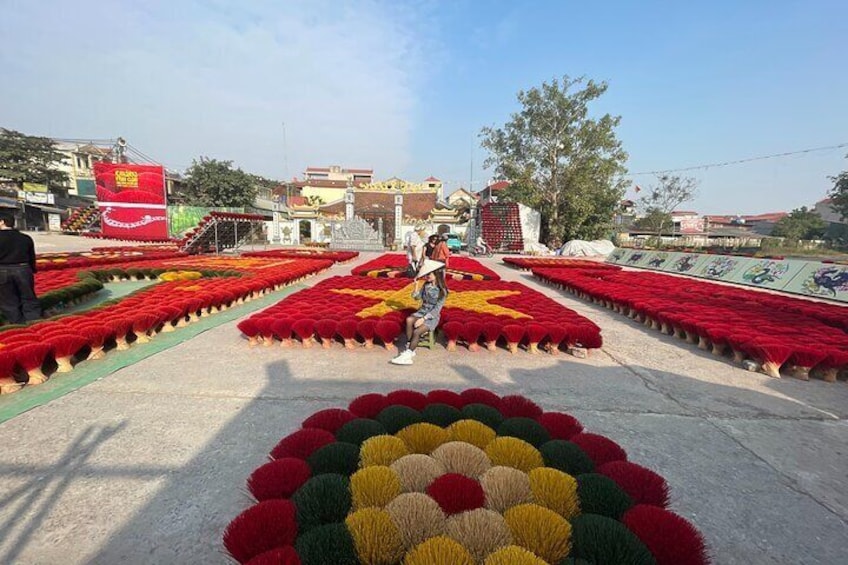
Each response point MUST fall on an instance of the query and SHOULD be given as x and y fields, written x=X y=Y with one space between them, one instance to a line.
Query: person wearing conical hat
x=432 y=294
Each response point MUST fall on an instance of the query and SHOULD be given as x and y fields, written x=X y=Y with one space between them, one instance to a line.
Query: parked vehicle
x=454 y=243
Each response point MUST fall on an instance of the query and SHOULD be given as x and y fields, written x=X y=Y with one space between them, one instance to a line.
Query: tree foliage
x=839 y=194
x=664 y=197
x=801 y=223
x=27 y=158
x=210 y=182
x=559 y=160
x=654 y=221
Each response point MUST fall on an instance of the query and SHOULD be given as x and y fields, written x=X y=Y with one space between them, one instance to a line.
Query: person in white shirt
x=414 y=245
x=482 y=246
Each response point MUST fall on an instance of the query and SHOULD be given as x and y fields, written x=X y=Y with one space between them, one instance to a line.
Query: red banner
x=131 y=199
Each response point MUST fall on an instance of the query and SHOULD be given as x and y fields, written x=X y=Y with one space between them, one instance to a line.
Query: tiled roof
x=499 y=185
x=431 y=179
x=415 y=205
x=770 y=217
x=327 y=170
x=324 y=183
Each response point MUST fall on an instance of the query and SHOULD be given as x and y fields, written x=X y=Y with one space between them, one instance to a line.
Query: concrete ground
x=149 y=464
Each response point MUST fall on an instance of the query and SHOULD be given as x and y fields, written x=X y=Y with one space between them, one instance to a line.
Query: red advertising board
x=131 y=199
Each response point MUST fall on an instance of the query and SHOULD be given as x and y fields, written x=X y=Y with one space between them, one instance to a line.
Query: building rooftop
x=341 y=170
x=498 y=185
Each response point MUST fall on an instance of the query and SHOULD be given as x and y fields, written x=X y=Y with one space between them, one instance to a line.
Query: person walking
x=18 y=302
x=432 y=295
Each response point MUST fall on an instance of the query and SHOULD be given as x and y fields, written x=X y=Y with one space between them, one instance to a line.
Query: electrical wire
x=739 y=161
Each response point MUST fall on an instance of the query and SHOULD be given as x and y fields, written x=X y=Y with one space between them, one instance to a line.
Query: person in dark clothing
x=430 y=246
x=18 y=302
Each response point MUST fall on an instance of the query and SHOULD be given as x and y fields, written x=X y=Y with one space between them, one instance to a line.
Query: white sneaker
x=404 y=358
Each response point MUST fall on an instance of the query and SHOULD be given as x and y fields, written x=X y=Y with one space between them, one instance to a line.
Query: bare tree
x=663 y=198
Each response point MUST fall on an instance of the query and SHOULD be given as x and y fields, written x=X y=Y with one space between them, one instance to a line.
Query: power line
x=84 y=141
x=738 y=161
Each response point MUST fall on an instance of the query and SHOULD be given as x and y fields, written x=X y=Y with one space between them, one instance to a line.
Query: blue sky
x=405 y=87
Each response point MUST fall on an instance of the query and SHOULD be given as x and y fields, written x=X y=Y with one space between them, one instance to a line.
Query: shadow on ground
x=749 y=511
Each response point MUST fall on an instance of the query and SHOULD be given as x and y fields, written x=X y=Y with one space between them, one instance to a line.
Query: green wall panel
x=658 y=260
x=637 y=258
x=619 y=256
x=767 y=273
x=685 y=263
x=720 y=267
x=821 y=280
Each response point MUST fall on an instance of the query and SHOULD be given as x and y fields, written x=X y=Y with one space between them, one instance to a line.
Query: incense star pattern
x=361 y=310
x=470 y=300
x=185 y=289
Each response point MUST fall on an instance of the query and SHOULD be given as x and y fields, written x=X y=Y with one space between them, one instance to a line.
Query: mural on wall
x=636 y=257
x=618 y=256
x=810 y=278
x=658 y=260
x=686 y=263
x=766 y=273
x=827 y=281
x=720 y=267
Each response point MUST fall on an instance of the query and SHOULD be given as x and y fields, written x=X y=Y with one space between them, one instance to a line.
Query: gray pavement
x=149 y=464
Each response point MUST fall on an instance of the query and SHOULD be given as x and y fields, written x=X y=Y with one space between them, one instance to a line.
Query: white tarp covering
x=579 y=248
x=537 y=249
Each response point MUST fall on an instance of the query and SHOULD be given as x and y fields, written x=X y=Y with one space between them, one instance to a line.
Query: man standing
x=18 y=302
x=414 y=244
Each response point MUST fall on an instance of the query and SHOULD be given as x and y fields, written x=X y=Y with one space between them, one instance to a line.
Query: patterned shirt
x=431 y=304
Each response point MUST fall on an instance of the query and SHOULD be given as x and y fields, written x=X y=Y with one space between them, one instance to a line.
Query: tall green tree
x=561 y=161
x=839 y=194
x=210 y=182
x=801 y=223
x=27 y=158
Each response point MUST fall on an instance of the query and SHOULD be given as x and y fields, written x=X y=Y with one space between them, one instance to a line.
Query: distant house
x=761 y=224
x=625 y=216
x=687 y=222
x=837 y=226
x=78 y=163
x=490 y=193
x=461 y=198
x=828 y=213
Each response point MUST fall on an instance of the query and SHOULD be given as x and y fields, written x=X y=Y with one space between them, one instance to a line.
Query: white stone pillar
x=349 y=199
x=398 y=218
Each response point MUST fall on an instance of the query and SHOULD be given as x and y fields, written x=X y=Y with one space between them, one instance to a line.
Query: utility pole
x=285 y=155
x=471 y=176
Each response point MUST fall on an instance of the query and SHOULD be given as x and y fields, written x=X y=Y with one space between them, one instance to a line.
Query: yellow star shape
x=235 y=263
x=471 y=300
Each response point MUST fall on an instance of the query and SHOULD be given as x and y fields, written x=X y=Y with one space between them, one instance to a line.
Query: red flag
x=638 y=188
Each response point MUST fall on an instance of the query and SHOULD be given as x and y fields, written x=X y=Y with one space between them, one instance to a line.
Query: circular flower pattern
x=447 y=478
